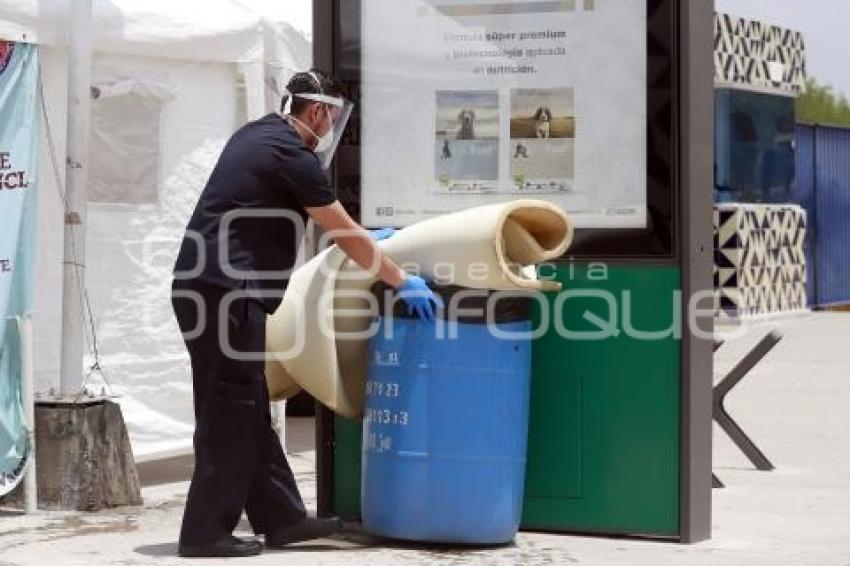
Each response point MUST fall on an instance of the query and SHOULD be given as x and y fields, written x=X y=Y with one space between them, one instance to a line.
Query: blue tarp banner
x=18 y=166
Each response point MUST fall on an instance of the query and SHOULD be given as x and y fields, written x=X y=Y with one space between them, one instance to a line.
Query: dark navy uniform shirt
x=264 y=173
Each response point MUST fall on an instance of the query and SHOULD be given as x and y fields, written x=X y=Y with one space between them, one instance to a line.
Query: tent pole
x=73 y=278
x=28 y=399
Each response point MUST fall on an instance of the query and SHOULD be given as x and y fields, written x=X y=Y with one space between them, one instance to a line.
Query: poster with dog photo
x=466 y=144
x=543 y=132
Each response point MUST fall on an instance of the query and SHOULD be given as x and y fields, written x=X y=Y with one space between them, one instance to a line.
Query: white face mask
x=324 y=142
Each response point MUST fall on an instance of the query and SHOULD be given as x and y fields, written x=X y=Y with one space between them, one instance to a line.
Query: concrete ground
x=796 y=405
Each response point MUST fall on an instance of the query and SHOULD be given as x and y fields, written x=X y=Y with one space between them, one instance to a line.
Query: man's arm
x=356 y=242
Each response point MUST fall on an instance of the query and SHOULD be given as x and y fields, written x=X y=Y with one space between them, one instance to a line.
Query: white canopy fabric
x=200 y=30
x=176 y=78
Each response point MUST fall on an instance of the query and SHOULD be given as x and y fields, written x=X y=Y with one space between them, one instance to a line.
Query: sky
x=825 y=25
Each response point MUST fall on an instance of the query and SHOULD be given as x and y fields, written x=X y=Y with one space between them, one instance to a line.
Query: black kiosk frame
x=679 y=207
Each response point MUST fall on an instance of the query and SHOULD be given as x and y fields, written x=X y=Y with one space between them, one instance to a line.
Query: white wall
x=131 y=251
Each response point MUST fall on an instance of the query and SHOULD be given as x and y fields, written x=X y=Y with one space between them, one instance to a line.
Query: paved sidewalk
x=796 y=405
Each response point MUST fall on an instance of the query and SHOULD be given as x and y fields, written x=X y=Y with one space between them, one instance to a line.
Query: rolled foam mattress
x=318 y=341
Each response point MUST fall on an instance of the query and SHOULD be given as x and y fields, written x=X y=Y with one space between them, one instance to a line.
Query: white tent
x=175 y=79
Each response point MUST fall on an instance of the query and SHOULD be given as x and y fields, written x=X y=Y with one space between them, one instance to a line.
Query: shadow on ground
x=157 y=550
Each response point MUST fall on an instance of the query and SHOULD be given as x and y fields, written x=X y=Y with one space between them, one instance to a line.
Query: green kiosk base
x=603 y=450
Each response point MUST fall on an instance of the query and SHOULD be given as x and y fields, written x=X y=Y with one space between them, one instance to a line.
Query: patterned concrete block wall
x=759 y=261
x=753 y=55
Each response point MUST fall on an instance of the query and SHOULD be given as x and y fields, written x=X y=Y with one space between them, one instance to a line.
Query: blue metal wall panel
x=822 y=188
x=804 y=195
x=832 y=196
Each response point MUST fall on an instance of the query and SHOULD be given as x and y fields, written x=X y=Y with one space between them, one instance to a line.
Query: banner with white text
x=18 y=164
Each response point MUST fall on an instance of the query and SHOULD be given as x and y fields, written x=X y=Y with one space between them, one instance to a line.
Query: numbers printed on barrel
x=386 y=358
x=377 y=442
x=384 y=410
x=387 y=417
x=382 y=389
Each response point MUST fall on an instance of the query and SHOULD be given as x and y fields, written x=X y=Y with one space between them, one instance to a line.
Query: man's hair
x=306 y=83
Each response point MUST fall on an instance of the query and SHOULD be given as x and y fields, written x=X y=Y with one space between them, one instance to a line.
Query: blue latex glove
x=381 y=233
x=419 y=299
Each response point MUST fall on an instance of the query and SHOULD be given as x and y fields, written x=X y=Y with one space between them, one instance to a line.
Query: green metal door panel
x=557 y=402
x=347 y=459
x=604 y=431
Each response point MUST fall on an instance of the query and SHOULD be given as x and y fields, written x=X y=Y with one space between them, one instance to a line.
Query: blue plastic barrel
x=445 y=431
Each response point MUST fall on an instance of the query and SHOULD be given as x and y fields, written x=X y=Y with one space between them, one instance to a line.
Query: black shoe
x=307 y=529
x=230 y=547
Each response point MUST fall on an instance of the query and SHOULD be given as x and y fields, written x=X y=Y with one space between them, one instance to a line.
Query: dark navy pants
x=239 y=462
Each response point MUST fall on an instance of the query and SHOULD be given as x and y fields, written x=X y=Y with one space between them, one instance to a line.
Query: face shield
x=338 y=113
